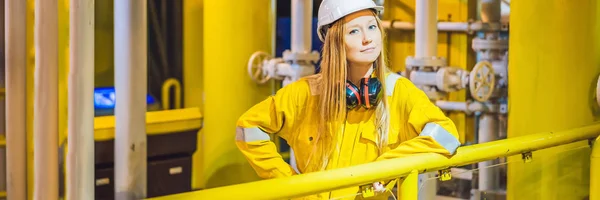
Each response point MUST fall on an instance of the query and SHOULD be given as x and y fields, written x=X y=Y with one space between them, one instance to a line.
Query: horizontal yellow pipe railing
x=313 y=183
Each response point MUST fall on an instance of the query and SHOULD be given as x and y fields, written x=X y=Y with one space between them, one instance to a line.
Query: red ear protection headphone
x=367 y=95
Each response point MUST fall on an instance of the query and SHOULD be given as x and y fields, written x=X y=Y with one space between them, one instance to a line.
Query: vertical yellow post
x=233 y=31
x=63 y=68
x=104 y=43
x=547 y=39
x=193 y=15
x=595 y=171
x=409 y=186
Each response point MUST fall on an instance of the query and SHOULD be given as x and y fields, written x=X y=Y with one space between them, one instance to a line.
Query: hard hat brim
x=320 y=27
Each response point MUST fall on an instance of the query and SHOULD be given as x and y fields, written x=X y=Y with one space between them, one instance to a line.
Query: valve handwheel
x=482 y=80
x=256 y=65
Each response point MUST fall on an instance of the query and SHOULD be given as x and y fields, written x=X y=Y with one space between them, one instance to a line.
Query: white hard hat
x=332 y=10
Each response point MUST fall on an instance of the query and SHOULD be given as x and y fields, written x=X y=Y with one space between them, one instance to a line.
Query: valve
x=262 y=67
x=482 y=80
x=257 y=67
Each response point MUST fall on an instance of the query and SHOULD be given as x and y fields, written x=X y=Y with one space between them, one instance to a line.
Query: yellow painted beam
x=63 y=68
x=233 y=31
x=104 y=44
x=193 y=62
x=193 y=15
x=553 y=67
x=193 y=35
x=322 y=181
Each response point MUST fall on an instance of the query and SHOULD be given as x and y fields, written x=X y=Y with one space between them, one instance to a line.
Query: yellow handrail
x=312 y=183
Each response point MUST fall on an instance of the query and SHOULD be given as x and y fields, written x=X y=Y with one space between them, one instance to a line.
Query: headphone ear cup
x=370 y=92
x=353 y=98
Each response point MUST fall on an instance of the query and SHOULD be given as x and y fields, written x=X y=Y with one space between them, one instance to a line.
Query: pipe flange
x=451 y=79
x=481 y=44
x=434 y=62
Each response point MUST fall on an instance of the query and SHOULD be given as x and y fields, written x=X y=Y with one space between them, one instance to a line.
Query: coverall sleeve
x=427 y=129
x=256 y=126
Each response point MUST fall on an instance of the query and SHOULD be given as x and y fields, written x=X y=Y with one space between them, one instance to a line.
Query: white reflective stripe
x=441 y=136
x=293 y=161
x=250 y=134
x=390 y=83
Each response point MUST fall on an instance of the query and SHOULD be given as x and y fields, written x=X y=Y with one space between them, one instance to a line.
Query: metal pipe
x=423 y=78
x=80 y=158
x=454 y=26
x=323 y=181
x=426 y=47
x=301 y=26
x=452 y=106
x=490 y=10
x=16 y=123
x=595 y=171
x=488 y=131
x=427 y=187
x=447 y=26
x=426 y=29
x=45 y=103
x=301 y=41
x=488 y=124
x=130 y=112
x=467 y=107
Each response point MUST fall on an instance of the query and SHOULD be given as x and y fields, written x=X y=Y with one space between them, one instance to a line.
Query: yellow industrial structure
x=520 y=79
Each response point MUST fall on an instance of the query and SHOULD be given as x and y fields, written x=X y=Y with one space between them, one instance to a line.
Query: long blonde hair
x=332 y=101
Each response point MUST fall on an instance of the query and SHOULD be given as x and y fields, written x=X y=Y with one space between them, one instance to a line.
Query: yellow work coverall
x=416 y=126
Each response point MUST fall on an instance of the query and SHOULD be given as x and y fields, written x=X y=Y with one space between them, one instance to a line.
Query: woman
x=354 y=111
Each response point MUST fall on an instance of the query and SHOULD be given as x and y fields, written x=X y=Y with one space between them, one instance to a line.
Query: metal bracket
x=367 y=191
x=445 y=174
x=527 y=157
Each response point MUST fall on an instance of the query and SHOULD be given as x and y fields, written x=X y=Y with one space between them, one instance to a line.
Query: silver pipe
x=16 y=98
x=45 y=103
x=80 y=158
x=130 y=113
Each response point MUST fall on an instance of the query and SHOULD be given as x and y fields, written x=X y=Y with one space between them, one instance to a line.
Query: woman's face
x=362 y=38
